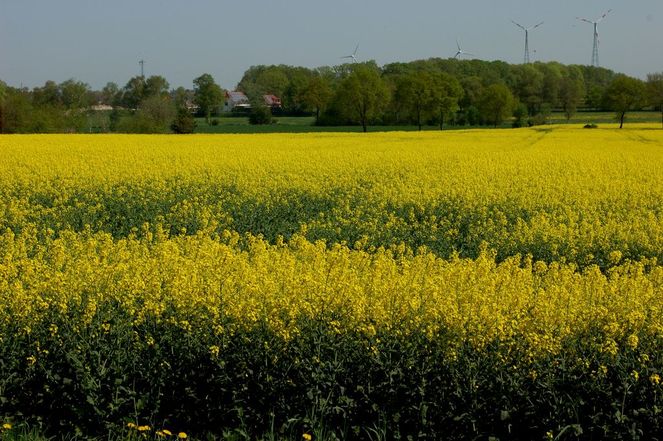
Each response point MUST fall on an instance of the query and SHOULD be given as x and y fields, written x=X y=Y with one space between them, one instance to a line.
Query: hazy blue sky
x=100 y=41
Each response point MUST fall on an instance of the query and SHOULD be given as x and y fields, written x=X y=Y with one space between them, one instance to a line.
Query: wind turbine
x=353 y=56
x=460 y=51
x=531 y=28
x=595 y=49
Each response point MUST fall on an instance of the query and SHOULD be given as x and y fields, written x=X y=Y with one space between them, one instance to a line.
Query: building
x=236 y=101
x=272 y=101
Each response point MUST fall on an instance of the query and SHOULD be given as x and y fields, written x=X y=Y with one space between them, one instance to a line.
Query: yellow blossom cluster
x=211 y=287
x=560 y=194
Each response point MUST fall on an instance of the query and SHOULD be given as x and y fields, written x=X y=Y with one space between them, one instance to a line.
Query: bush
x=590 y=126
x=260 y=115
x=184 y=122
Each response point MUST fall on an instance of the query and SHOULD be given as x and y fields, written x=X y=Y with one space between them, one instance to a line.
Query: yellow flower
x=307 y=436
x=6 y=426
x=167 y=432
x=655 y=379
x=633 y=341
x=131 y=425
x=635 y=375
x=182 y=435
x=143 y=428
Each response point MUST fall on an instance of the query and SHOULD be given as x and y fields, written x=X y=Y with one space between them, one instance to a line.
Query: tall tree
x=528 y=86
x=415 y=91
x=446 y=93
x=363 y=94
x=16 y=111
x=109 y=94
x=47 y=95
x=496 y=103
x=156 y=85
x=316 y=94
x=552 y=78
x=133 y=92
x=571 y=91
x=623 y=94
x=207 y=94
x=74 y=94
x=655 y=91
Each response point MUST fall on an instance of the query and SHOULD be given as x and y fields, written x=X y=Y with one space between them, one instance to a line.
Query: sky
x=98 y=41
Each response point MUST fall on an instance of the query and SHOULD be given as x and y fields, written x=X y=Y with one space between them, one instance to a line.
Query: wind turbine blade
x=467 y=53
x=519 y=25
x=458 y=44
x=604 y=16
x=356 y=49
x=585 y=20
x=536 y=26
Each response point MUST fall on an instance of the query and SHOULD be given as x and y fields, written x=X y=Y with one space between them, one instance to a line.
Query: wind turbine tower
x=595 y=49
x=142 y=66
x=531 y=28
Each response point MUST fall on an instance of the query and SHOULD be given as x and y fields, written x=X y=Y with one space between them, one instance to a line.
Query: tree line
x=436 y=91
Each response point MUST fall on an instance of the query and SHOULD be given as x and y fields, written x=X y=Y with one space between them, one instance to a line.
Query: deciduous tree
x=623 y=94
x=446 y=92
x=655 y=91
x=316 y=94
x=496 y=103
x=571 y=91
x=364 y=94
x=207 y=94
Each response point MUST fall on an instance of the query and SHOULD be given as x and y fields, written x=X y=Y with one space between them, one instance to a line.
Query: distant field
x=294 y=124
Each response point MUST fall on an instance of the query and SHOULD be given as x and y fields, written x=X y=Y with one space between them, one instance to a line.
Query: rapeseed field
x=453 y=285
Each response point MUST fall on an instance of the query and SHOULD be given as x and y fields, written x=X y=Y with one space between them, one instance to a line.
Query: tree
x=260 y=115
x=156 y=85
x=623 y=94
x=415 y=93
x=446 y=92
x=207 y=94
x=133 y=92
x=496 y=103
x=552 y=78
x=363 y=94
x=655 y=91
x=155 y=115
x=520 y=114
x=15 y=111
x=47 y=95
x=184 y=121
x=298 y=79
x=182 y=97
x=74 y=94
x=110 y=93
x=316 y=94
x=528 y=86
x=571 y=91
